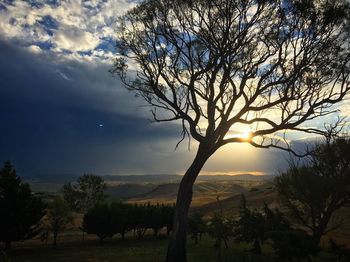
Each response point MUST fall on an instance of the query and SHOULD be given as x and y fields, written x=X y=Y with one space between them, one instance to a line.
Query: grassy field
x=134 y=250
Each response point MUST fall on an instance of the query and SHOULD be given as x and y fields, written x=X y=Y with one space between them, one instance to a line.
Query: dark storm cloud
x=70 y=117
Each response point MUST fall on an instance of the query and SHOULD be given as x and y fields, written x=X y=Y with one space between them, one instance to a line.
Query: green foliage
x=100 y=220
x=220 y=228
x=314 y=191
x=21 y=210
x=106 y=220
x=255 y=225
x=250 y=226
x=293 y=243
x=87 y=192
x=196 y=226
x=120 y=214
x=58 y=217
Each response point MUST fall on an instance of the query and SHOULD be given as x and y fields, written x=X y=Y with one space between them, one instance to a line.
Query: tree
x=167 y=217
x=293 y=243
x=314 y=191
x=86 y=193
x=221 y=229
x=153 y=218
x=218 y=65
x=58 y=217
x=250 y=226
x=196 y=226
x=21 y=209
x=102 y=220
x=121 y=217
x=256 y=226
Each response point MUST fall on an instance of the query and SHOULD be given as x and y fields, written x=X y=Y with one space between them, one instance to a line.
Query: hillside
x=204 y=192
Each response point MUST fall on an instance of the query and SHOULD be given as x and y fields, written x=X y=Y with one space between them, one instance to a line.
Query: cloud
x=75 y=39
x=64 y=27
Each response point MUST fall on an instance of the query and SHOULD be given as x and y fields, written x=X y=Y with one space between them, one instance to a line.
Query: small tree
x=21 y=210
x=314 y=191
x=86 y=193
x=153 y=218
x=218 y=66
x=196 y=226
x=167 y=217
x=250 y=226
x=221 y=229
x=58 y=217
x=101 y=221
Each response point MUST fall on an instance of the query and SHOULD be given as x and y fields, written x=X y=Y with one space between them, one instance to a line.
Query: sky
x=61 y=112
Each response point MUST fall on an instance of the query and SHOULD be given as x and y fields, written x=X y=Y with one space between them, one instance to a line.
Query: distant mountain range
x=147 y=178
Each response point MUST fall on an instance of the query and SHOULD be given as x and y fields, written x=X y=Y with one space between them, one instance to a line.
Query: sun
x=246 y=133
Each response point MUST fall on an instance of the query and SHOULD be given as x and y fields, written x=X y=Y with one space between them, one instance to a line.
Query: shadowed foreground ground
x=132 y=250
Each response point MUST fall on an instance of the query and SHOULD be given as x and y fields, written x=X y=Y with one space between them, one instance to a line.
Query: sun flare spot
x=246 y=133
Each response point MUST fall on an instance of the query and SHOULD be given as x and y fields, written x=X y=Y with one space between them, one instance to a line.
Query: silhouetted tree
x=196 y=226
x=154 y=218
x=293 y=243
x=121 y=216
x=220 y=228
x=101 y=221
x=275 y=220
x=58 y=217
x=218 y=65
x=257 y=225
x=86 y=193
x=21 y=210
x=168 y=215
x=314 y=191
x=250 y=226
x=147 y=216
x=137 y=219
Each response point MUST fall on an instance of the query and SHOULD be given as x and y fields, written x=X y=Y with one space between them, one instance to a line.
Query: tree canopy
x=21 y=211
x=217 y=65
x=85 y=193
x=58 y=217
x=314 y=191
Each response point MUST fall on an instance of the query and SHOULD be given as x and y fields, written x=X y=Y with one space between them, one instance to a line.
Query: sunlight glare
x=246 y=133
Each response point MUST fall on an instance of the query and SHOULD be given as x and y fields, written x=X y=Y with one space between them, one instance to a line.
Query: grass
x=134 y=250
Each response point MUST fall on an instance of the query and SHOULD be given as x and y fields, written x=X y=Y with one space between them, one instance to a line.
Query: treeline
x=106 y=220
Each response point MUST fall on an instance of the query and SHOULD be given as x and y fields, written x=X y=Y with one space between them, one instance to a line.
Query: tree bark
x=177 y=244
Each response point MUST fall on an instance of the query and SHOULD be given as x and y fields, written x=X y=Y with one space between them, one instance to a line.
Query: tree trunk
x=178 y=239
x=318 y=232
